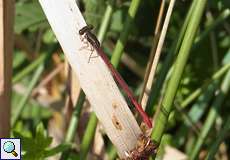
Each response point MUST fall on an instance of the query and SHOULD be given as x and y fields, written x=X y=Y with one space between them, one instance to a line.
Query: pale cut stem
x=158 y=52
x=95 y=78
x=152 y=53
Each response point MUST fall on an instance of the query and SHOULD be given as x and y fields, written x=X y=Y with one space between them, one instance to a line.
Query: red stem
x=125 y=87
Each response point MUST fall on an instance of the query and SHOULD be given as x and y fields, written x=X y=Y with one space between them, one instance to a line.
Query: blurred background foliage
x=35 y=44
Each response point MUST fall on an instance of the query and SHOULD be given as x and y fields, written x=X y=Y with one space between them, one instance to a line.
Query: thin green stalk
x=26 y=96
x=105 y=22
x=171 y=89
x=223 y=133
x=213 y=113
x=72 y=128
x=75 y=119
x=112 y=152
x=58 y=149
x=119 y=48
x=156 y=88
x=88 y=136
x=221 y=18
x=30 y=68
x=199 y=107
x=198 y=91
x=195 y=113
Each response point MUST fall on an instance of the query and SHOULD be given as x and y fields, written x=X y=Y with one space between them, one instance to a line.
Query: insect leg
x=91 y=53
x=87 y=46
x=84 y=41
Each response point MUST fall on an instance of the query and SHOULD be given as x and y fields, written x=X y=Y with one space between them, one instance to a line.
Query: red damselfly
x=92 y=39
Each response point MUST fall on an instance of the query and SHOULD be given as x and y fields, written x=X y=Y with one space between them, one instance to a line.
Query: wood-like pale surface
x=95 y=78
x=6 y=48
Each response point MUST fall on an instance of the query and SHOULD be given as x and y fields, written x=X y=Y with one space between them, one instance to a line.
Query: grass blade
x=180 y=63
